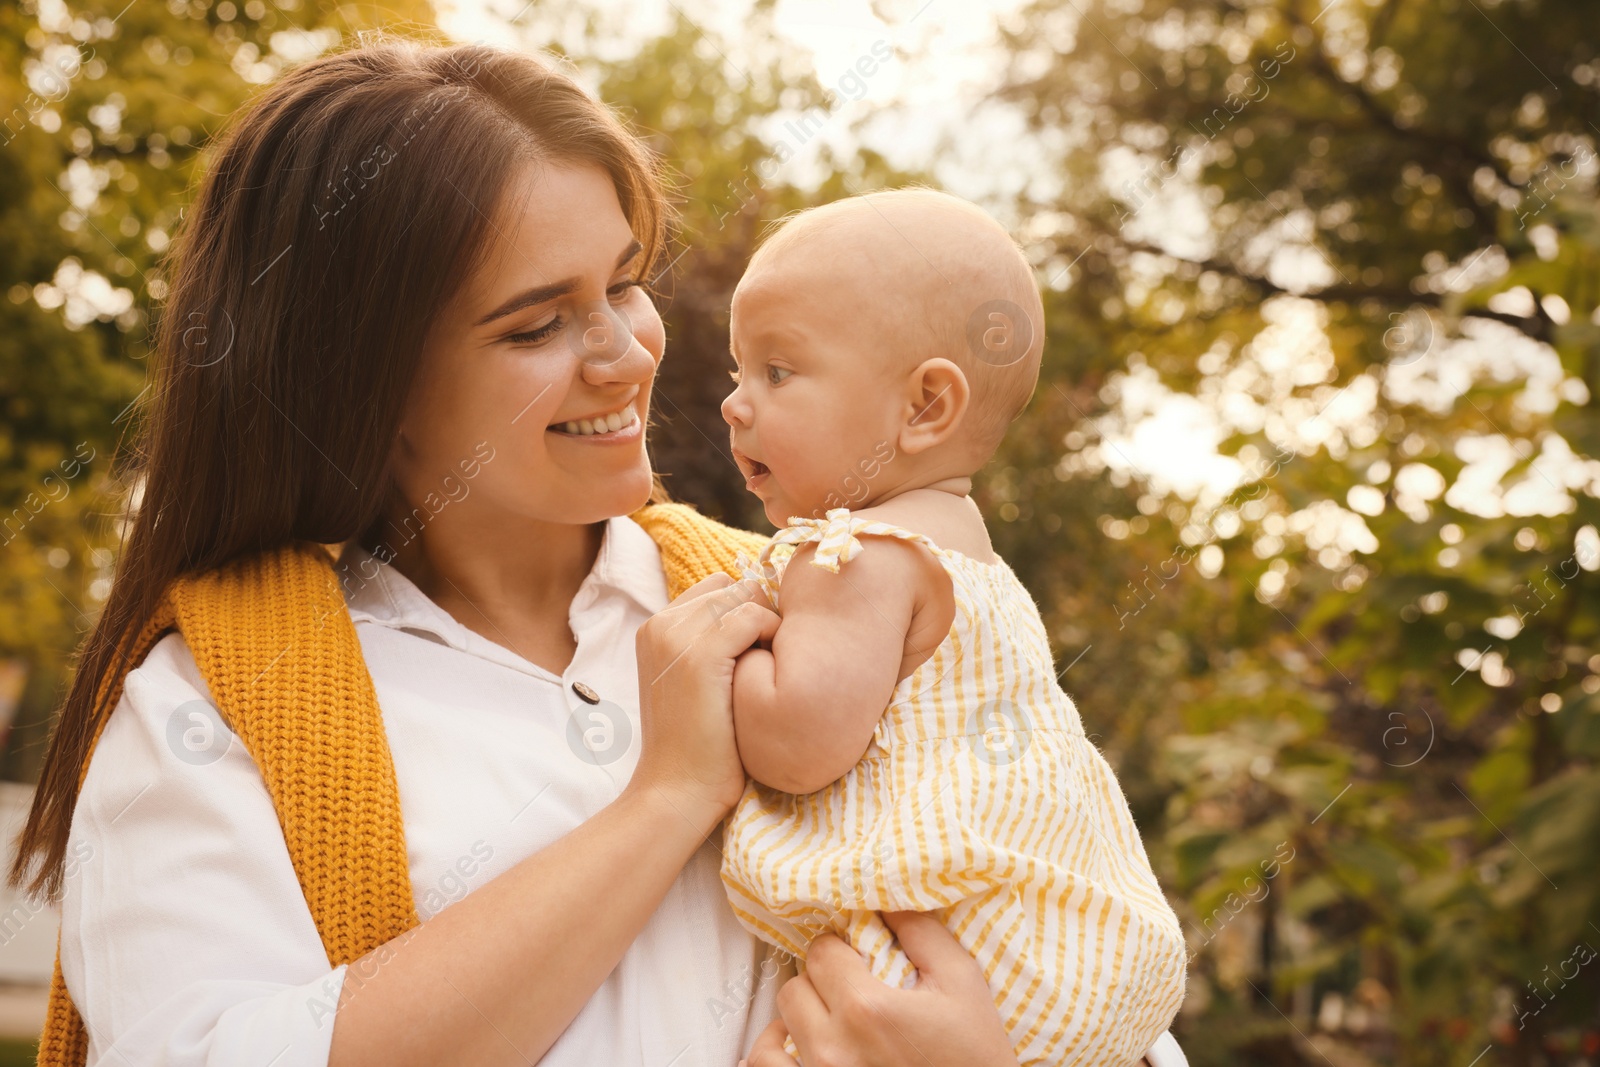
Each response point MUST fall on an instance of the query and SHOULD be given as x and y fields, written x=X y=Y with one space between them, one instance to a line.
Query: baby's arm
x=805 y=711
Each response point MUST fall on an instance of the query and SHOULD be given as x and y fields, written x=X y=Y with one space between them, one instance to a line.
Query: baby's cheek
x=817 y=463
x=849 y=479
x=813 y=495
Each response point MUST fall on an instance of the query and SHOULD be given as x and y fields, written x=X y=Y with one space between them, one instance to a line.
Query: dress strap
x=836 y=536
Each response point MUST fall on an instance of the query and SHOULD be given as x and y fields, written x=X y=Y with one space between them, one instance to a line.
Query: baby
x=909 y=745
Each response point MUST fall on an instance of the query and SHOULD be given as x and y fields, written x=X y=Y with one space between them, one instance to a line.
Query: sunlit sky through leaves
x=930 y=108
x=927 y=109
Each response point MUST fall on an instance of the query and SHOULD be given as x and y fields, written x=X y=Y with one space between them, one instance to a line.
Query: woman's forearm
x=496 y=977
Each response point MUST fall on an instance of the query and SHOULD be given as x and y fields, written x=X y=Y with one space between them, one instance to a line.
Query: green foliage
x=18 y=1053
x=105 y=109
x=1428 y=159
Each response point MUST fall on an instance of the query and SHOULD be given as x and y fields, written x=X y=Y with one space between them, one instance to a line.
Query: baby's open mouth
x=750 y=468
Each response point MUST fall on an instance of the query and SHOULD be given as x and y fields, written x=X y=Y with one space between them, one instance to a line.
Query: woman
x=407 y=317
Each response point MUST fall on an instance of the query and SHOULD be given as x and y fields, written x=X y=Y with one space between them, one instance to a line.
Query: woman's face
x=535 y=381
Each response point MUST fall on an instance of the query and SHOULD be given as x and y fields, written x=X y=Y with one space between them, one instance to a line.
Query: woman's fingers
x=704 y=585
x=839 y=1013
x=714 y=599
x=768 y=1049
x=750 y=622
x=701 y=603
x=723 y=622
x=686 y=655
x=711 y=623
x=804 y=1014
x=932 y=948
x=838 y=973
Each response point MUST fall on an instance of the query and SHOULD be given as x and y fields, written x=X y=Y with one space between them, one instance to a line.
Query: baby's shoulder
x=882 y=557
x=948 y=521
x=864 y=551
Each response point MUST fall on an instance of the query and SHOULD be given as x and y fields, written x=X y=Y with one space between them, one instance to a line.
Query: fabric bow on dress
x=834 y=535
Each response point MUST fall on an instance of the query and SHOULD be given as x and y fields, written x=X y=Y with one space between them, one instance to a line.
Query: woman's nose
x=603 y=340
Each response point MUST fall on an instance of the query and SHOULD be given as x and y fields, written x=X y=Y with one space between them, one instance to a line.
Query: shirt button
x=585 y=694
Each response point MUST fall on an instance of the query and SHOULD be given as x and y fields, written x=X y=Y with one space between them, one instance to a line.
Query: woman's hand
x=686 y=654
x=841 y=1016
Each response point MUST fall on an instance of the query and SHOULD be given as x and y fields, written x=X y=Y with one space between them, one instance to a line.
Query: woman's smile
x=609 y=427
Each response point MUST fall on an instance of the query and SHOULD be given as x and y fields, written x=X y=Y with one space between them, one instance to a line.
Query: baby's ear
x=938 y=395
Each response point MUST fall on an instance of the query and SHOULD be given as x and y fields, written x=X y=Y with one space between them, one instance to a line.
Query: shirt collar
x=629 y=563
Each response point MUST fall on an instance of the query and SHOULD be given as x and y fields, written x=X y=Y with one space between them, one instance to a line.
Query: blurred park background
x=1308 y=491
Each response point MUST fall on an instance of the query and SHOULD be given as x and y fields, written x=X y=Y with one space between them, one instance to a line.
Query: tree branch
x=1536 y=326
x=1385 y=118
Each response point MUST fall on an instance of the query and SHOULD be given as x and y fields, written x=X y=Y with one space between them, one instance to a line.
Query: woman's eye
x=620 y=290
x=774 y=372
x=540 y=333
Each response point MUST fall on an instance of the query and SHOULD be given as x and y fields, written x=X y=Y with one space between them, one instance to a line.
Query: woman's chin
x=621 y=494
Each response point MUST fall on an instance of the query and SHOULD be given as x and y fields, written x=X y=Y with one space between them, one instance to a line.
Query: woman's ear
x=939 y=394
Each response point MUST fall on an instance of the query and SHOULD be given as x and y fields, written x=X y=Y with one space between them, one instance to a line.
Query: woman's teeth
x=603 y=424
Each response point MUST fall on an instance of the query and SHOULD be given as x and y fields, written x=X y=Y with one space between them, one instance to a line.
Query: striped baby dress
x=979 y=798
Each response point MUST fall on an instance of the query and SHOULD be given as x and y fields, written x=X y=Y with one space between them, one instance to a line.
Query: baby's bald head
x=921 y=274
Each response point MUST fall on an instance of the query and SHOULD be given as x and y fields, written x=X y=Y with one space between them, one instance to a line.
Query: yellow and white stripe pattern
x=980 y=799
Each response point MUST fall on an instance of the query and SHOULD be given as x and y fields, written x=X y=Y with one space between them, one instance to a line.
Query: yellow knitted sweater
x=271 y=636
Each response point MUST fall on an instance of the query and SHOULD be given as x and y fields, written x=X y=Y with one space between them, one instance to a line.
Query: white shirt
x=186 y=940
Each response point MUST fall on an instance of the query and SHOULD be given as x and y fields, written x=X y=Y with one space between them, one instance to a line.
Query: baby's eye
x=734 y=374
x=774 y=372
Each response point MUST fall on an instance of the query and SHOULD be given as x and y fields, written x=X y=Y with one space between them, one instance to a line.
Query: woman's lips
x=631 y=432
x=599 y=430
x=602 y=425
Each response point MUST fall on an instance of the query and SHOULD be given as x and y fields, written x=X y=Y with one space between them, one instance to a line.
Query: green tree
x=1379 y=650
x=105 y=112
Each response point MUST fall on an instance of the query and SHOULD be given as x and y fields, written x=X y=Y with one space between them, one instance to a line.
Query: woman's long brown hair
x=338 y=215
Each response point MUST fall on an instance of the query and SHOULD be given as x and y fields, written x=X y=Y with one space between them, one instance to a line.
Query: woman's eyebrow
x=541 y=294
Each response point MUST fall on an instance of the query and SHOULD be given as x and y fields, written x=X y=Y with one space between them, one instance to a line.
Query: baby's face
x=815 y=415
